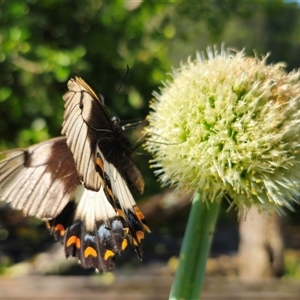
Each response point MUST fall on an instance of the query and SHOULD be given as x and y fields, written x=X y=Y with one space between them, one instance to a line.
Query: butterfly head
x=116 y=121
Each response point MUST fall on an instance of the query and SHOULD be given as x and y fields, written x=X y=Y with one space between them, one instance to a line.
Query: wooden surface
x=138 y=286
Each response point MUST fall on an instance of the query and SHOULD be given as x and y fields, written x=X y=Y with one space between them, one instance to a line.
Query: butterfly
x=79 y=182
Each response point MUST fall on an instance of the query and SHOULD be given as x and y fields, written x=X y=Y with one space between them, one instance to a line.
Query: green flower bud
x=229 y=125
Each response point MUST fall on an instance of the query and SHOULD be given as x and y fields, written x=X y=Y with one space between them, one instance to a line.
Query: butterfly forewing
x=31 y=178
x=85 y=117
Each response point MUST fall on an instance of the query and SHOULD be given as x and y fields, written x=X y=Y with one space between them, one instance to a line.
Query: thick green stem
x=195 y=249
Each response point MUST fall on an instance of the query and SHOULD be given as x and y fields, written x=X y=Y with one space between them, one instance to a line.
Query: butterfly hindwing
x=90 y=229
x=126 y=205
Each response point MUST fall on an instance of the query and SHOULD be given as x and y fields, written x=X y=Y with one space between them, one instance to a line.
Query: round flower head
x=229 y=125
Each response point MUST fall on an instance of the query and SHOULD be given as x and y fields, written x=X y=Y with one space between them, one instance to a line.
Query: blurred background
x=45 y=43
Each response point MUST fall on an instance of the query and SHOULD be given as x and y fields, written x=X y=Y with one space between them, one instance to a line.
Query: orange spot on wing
x=146 y=227
x=74 y=240
x=90 y=251
x=121 y=213
x=109 y=191
x=140 y=235
x=141 y=217
x=60 y=228
x=124 y=244
x=99 y=162
x=108 y=254
x=138 y=213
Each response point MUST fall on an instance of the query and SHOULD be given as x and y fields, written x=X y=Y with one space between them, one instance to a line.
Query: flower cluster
x=229 y=125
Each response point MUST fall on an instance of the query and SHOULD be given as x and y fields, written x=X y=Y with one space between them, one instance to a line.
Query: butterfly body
x=79 y=182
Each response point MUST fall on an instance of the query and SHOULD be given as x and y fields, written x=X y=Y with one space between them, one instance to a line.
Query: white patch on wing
x=119 y=186
x=10 y=168
x=44 y=148
x=39 y=180
x=32 y=191
x=93 y=206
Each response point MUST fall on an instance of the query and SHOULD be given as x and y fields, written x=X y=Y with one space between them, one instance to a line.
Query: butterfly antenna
x=122 y=83
x=134 y=124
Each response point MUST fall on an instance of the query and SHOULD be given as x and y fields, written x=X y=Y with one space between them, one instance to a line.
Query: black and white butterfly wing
x=90 y=229
x=84 y=118
x=39 y=180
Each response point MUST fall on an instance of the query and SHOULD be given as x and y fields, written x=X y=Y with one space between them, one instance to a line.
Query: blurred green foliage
x=44 y=43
